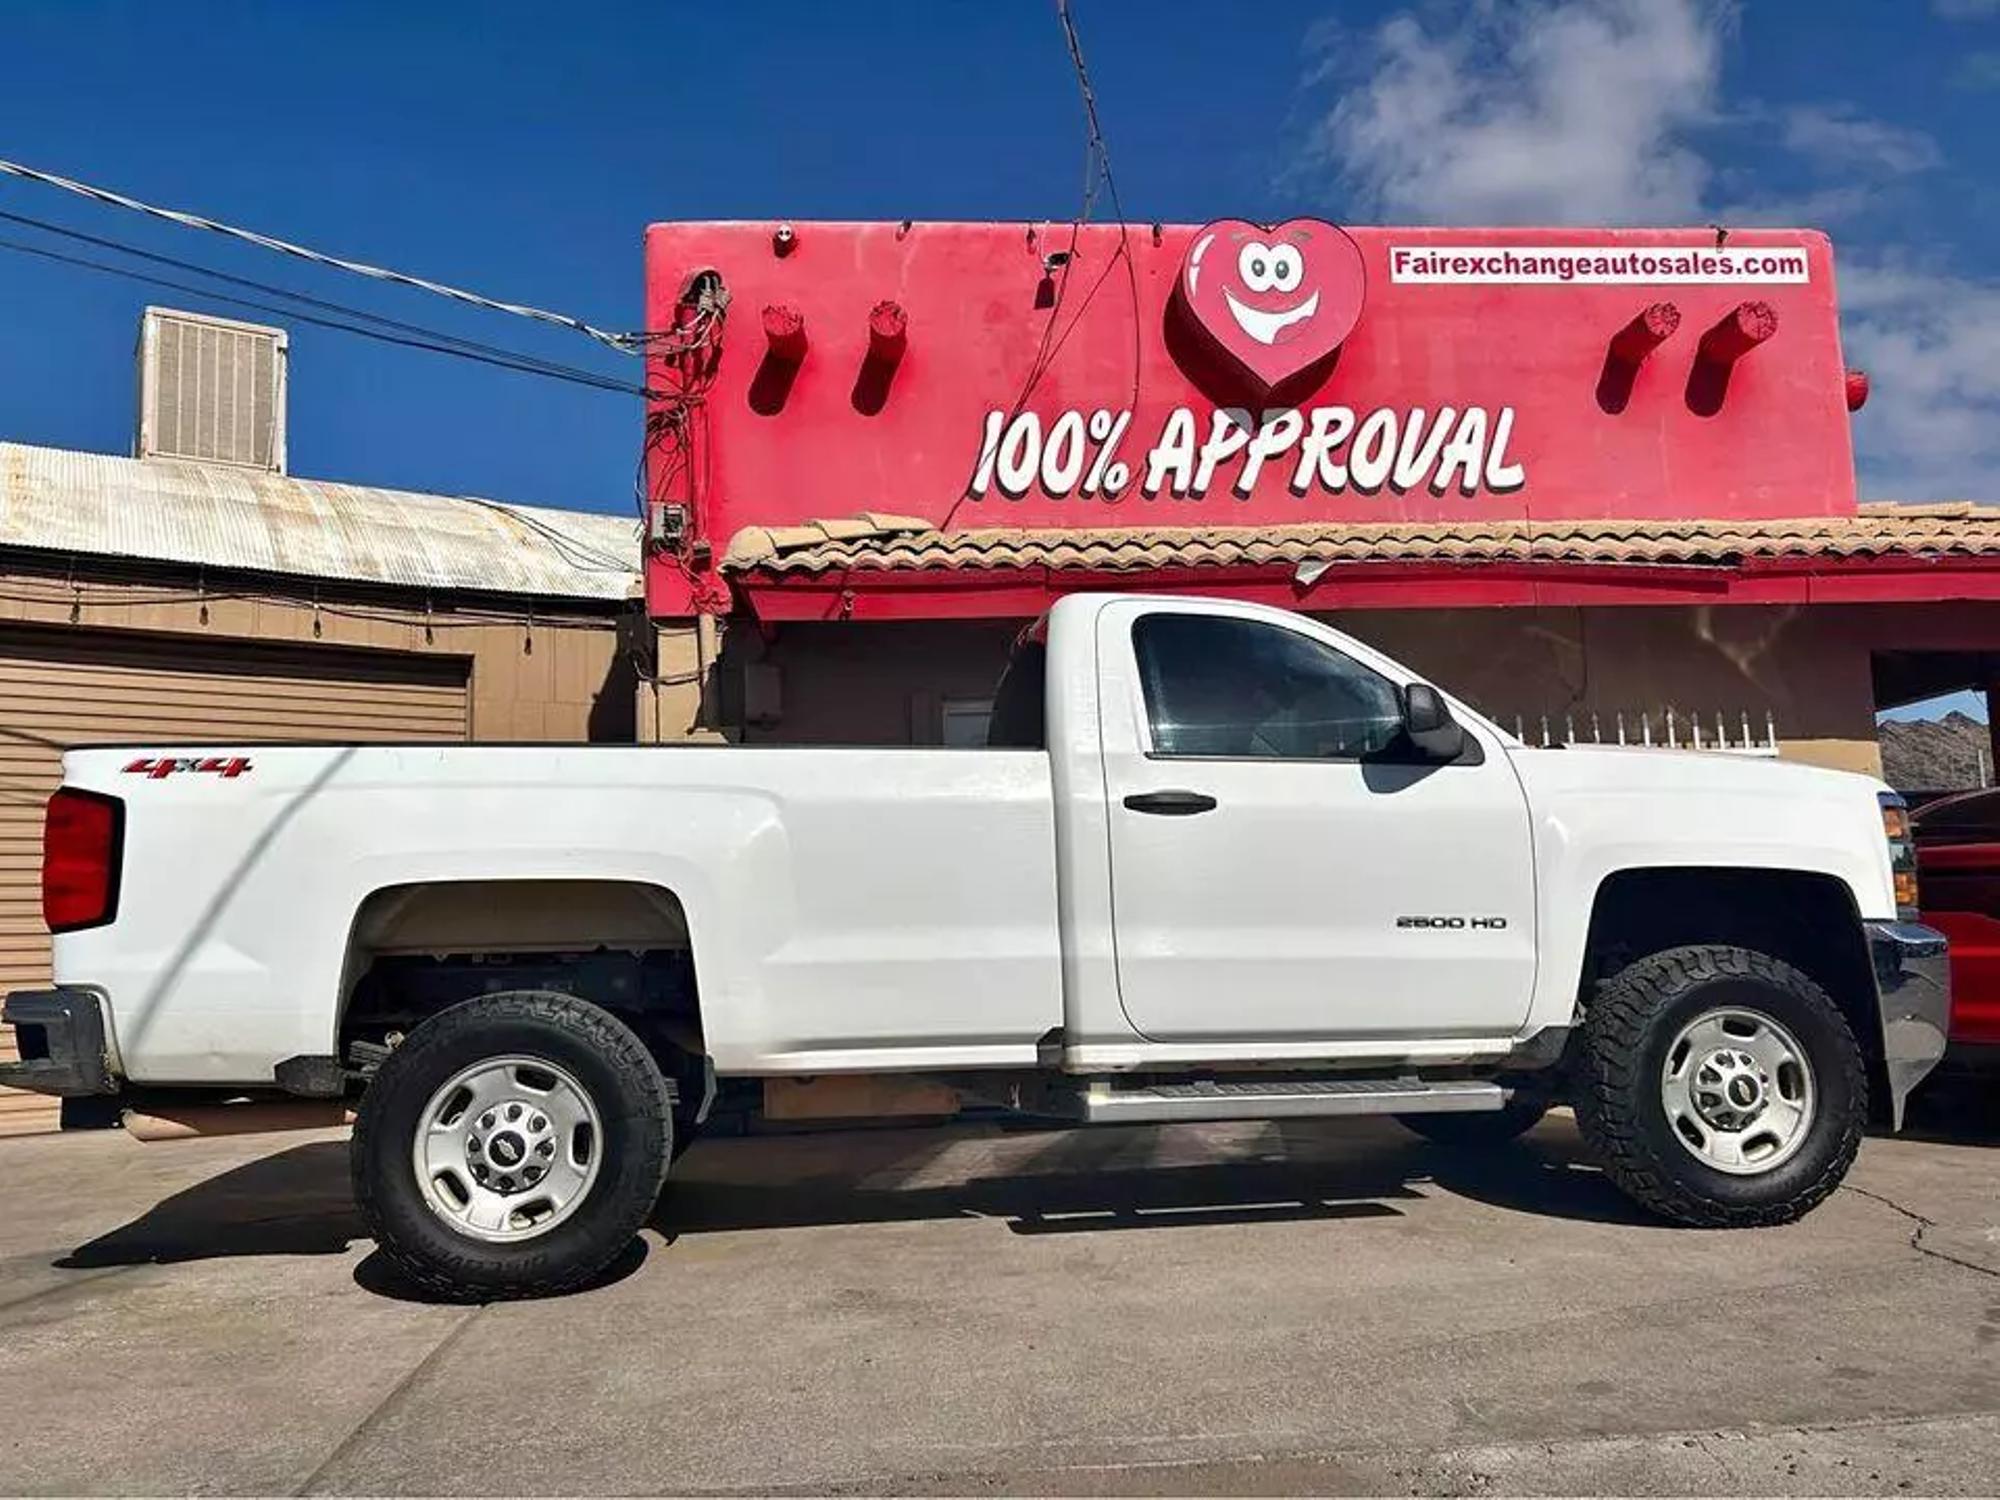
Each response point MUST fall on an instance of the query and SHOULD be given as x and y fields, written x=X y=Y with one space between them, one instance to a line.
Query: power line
x=1102 y=151
x=1096 y=173
x=1098 y=148
x=577 y=553
x=1056 y=332
x=522 y=364
x=625 y=343
x=119 y=246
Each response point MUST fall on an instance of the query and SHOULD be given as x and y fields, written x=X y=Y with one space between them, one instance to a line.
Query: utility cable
x=625 y=343
x=1102 y=150
x=120 y=247
x=521 y=364
x=1055 y=331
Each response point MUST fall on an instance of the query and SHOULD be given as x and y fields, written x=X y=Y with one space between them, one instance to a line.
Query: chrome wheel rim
x=508 y=1148
x=1738 y=1091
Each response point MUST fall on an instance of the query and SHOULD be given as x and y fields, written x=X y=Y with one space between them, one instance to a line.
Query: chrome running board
x=1107 y=1101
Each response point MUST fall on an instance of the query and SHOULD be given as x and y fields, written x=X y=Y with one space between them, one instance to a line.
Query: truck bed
x=835 y=898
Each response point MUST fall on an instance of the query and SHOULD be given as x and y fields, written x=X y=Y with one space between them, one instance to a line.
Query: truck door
x=1280 y=870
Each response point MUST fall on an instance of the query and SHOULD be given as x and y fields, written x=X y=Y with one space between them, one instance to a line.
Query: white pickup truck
x=1218 y=862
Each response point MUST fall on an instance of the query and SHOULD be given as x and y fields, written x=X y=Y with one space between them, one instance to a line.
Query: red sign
x=982 y=375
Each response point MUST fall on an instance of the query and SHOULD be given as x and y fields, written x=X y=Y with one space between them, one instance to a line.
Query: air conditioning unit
x=211 y=390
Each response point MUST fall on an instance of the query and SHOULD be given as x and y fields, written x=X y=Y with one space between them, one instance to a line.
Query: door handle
x=1175 y=804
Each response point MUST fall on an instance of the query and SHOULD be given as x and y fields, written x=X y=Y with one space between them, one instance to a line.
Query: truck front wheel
x=1720 y=1087
x=511 y=1146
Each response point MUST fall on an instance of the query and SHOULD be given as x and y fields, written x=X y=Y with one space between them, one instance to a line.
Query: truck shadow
x=295 y=1202
x=1035 y=1182
x=1063 y=1181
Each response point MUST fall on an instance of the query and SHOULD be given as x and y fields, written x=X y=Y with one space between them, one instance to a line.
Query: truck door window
x=1244 y=689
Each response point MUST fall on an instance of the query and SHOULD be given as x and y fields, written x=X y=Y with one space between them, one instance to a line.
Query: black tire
x=622 y=1082
x=1633 y=1020
x=1478 y=1130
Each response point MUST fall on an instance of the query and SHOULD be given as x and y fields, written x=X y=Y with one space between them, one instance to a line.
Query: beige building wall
x=554 y=673
x=677 y=702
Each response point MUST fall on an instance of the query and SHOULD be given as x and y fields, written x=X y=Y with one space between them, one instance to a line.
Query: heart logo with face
x=1272 y=302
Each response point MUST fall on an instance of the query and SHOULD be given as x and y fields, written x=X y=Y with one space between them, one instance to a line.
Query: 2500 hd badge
x=1489 y=924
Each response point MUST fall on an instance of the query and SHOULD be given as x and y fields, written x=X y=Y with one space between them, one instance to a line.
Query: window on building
x=1216 y=686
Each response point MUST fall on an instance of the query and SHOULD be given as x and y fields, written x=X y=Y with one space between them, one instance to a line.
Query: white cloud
x=1592 y=111
x=1930 y=342
x=1558 y=111
x=1836 y=136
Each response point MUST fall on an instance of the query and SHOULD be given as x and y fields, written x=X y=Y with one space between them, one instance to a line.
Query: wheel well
x=1805 y=918
x=415 y=949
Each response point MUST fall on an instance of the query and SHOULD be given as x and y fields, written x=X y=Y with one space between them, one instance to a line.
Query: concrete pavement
x=1225 y=1309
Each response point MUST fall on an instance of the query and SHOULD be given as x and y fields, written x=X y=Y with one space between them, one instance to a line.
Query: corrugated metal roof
x=881 y=543
x=203 y=515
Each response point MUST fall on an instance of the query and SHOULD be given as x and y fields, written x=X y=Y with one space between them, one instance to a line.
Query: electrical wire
x=625 y=343
x=120 y=247
x=1102 y=151
x=691 y=344
x=686 y=347
x=674 y=446
x=578 y=554
x=521 y=364
x=1098 y=148
x=1055 y=332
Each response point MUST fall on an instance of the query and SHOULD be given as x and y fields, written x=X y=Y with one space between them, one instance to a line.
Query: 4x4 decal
x=161 y=766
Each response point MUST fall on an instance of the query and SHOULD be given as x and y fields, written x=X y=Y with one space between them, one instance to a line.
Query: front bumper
x=1912 y=966
x=60 y=1036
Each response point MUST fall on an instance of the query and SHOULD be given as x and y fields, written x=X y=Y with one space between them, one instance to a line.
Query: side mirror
x=1428 y=722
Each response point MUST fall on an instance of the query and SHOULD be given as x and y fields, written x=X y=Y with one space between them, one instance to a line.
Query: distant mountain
x=1933 y=755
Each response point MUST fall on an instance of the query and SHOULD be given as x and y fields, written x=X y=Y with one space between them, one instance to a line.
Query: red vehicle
x=1958 y=871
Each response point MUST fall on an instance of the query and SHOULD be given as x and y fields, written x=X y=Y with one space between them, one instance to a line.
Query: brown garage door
x=60 y=688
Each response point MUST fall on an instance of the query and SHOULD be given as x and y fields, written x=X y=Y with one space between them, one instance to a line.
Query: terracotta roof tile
x=886 y=543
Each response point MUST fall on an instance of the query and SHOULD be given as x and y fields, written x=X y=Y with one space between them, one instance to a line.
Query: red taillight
x=81 y=841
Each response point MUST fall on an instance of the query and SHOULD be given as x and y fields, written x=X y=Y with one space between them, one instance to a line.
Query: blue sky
x=520 y=149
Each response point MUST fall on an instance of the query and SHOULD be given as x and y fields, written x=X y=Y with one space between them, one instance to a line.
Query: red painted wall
x=789 y=431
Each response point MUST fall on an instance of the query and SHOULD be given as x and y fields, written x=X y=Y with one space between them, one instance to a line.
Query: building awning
x=906 y=567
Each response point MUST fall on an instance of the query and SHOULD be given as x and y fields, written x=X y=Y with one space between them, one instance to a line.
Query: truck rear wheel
x=511 y=1146
x=1720 y=1087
